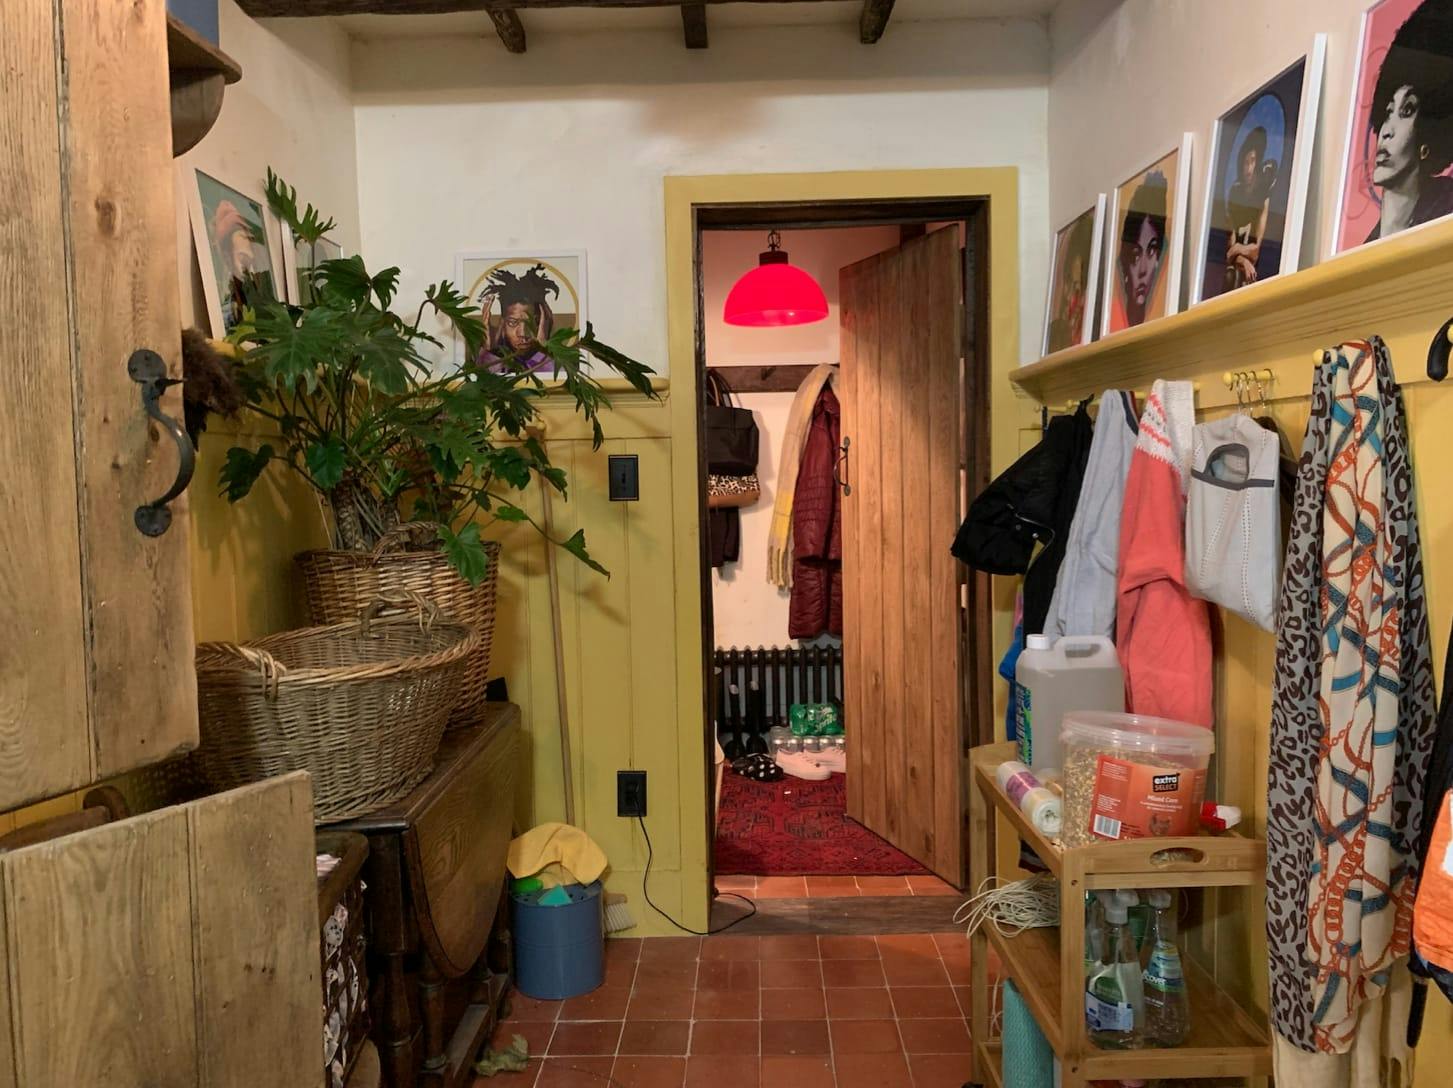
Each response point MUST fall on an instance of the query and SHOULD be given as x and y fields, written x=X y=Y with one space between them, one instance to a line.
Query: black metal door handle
x=148 y=370
x=840 y=469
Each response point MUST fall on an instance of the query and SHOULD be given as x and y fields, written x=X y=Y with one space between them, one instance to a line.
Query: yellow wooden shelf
x=1047 y=964
x=1222 y=1035
x=1195 y=861
x=1398 y=288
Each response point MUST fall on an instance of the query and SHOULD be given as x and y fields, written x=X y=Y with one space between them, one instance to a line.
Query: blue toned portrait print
x=1250 y=185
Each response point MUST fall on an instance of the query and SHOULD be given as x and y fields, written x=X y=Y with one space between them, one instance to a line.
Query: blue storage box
x=559 y=950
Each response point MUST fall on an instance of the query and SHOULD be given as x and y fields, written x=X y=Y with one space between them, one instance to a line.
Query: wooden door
x=902 y=409
x=96 y=673
x=178 y=949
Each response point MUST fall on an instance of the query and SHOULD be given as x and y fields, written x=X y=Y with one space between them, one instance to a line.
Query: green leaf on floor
x=512 y=1059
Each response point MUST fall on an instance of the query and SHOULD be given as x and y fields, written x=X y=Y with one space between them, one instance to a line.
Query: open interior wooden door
x=902 y=423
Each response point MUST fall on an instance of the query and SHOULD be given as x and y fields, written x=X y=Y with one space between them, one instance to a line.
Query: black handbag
x=731 y=432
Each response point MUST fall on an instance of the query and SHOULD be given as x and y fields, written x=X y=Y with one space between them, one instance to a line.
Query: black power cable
x=646 y=891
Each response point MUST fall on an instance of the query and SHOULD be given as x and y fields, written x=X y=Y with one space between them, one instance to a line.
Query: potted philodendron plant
x=412 y=463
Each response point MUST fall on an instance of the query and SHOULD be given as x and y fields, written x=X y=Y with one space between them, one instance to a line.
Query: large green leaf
x=511 y=513
x=241 y=470
x=386 y=285
x=292 y=350
x=282 y=198
x=344 y=279
x=325 y=461
x=382 y=357
x=465 y=552
x=465 y=317
x=576 y=547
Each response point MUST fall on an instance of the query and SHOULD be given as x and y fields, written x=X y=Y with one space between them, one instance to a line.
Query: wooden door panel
x=44 y=740
x=919 y=469
x=178 y=949
x=851 y=309
x=942 y=613
x=117 y=167
x=901 y=361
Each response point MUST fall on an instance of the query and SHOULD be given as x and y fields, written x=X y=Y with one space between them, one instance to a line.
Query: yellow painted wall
x=633 y=641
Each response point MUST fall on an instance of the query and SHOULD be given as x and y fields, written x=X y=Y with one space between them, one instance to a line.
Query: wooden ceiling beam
x=693 y=25
x=874 y=20
x=509 y=28
x=263 y=9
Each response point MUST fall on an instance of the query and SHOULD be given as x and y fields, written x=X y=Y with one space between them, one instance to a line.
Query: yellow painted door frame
x=999 y=188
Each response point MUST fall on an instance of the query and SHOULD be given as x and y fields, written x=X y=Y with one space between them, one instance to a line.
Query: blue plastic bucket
x=559 y=950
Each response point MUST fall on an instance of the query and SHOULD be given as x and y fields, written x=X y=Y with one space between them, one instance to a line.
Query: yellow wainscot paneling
x=619 y=637
x=243 y=584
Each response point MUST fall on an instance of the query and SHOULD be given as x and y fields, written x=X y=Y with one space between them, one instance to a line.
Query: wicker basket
x=340 y=584
x=360 y=705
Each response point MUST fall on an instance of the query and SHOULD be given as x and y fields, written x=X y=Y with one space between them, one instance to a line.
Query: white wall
x=747 y=609
x=462 y=146
x=1129 y=76
x=293 y=111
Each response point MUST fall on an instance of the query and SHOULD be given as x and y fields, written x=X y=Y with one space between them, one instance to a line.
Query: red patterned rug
x=797 y=828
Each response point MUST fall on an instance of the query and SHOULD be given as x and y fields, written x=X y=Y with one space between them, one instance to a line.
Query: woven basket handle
x=406 y=601
x=268 y=667
x=397 y=537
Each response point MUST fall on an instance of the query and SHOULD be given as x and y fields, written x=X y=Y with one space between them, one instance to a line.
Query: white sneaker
x=801 y=765
x=834 y=760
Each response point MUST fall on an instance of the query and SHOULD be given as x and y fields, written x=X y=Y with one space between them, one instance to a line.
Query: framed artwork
x=1146 y=242
x=524 y=296
x=1395 y=173
x=299 y=258
x=235 y=238
x=1074 y=277
x=1256 y=186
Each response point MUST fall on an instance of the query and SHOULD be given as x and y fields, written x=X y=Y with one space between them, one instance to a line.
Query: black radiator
x=776 y=677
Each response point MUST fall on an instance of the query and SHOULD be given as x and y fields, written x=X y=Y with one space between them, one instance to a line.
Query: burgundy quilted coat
x=817 y=534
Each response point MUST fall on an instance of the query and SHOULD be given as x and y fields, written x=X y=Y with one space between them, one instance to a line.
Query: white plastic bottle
x=1114 y=998
x=1051 y=678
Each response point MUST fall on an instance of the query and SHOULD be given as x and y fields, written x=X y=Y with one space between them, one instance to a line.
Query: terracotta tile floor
x=820 y=887
x=757 y=1012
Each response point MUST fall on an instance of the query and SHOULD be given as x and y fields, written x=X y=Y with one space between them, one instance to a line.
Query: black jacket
x=1032 y=502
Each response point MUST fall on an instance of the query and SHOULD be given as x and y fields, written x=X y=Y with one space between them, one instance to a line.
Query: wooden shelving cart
x=1047 y=964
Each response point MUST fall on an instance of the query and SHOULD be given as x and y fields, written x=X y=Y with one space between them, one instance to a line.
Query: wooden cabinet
x=178 y=949
x=435 y=881
x=96 y=670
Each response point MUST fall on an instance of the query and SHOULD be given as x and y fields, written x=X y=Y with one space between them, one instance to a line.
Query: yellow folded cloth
x=552 y=844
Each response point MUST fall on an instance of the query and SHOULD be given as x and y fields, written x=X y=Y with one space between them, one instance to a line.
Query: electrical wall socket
x=630 y=793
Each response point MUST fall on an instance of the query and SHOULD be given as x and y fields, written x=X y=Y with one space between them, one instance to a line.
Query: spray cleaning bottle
x=1114 y=998
x=1167 y=1010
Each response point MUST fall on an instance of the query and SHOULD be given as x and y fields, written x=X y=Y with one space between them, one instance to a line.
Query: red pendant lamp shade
x=775 y=293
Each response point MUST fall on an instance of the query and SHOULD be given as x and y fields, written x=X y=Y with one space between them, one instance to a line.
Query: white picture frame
x=201 y=211
x=1178 y=198
x=1086 y=333
x=1298 y=179
x=568 y=268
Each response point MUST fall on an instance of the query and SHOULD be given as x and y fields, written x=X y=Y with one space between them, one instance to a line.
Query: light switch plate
x=625 y=477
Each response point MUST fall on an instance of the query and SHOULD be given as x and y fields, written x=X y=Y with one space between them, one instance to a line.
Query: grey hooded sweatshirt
x=1084 y=594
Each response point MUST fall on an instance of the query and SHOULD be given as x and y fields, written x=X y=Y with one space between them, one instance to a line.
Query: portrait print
x=1073 y=280
x=1400 y=134
x=1145 y=241
x=525 y=299
x=1257 y=186
x=232 y=236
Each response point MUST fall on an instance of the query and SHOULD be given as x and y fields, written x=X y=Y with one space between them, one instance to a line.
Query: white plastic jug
x=1078 y=672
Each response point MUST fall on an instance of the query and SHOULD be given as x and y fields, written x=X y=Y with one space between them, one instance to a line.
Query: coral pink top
x=1163 y=634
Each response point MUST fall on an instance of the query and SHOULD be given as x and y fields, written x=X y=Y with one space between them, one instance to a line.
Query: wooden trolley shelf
x=1047 y=964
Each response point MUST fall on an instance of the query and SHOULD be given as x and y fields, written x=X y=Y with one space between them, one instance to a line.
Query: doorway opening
x=841 y=642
